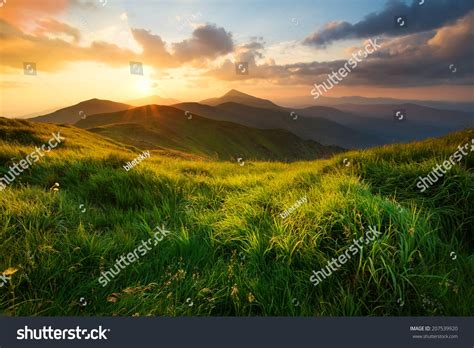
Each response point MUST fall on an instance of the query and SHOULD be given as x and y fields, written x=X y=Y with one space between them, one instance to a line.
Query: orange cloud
x=47 y=47
x=452 y=40
x=54 y=54
x=23 y=12
x=52 y=26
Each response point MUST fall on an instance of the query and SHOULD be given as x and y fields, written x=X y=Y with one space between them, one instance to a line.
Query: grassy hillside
x=229 y=251
x=75 y=113
x=154 y=127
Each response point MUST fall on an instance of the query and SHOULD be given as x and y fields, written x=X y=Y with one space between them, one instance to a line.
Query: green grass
x=230 y=253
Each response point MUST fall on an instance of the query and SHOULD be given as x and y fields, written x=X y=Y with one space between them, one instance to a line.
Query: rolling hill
x=158 y=127
x=75 y=113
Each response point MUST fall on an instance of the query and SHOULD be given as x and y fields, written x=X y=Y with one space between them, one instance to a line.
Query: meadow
x=229 y=252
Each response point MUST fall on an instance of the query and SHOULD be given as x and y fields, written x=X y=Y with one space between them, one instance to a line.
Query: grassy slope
x=153 y=126
x=229 y=251
x=74 y=113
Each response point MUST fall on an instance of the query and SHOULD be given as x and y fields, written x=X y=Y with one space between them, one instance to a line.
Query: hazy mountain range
x=276 y=132
x=306 y=101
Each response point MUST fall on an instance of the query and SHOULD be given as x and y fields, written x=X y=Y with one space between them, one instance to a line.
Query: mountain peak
x=236 y=96
x=235 y=93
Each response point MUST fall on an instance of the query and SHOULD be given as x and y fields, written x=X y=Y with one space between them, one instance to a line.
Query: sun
x=144 y=85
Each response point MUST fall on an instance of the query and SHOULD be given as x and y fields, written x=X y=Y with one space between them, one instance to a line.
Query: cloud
x=248 y=53
x=20 y=12
x=52 y=26
x=429 y=16
x=51 y=47
x=419 y=59
x=154 y=49
x=207 y=42
x=53 y=54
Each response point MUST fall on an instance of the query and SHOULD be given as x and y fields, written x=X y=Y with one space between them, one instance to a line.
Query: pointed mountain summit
x=236 y=93
x=234 y=96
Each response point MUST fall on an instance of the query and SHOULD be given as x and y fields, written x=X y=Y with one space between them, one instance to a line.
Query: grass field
x=229 y=252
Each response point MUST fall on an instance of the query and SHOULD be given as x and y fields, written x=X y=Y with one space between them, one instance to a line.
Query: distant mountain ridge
x=308 y=101
x=420 y=122
x=344 y=125
x=75 y=113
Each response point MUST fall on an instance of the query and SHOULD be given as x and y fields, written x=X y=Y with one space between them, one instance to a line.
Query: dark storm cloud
x=428 y=16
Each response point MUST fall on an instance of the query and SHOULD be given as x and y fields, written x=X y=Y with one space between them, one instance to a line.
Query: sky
x=56 y=53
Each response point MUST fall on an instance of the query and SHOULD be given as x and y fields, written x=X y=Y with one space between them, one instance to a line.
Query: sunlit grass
x=230 y=252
